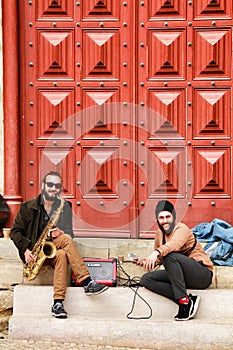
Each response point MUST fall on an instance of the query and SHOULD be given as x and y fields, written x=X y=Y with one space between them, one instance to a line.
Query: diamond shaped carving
x=100 y=120
x=99 y=171
x=55 y=57
x=102 y=9
x=102 y=63
x=166 y=171
x=213 y=8
x=212 y=169
x=169 y=119
x=55 y=108
x=211 y=113
x=166 y=9
x=216 y=44
x=164 y=58
x=50 y=9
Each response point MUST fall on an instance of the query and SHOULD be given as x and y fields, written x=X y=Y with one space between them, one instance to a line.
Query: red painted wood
x=173 y=62
x=11 y=107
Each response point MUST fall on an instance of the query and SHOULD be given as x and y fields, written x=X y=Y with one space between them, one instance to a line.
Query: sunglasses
x=51 y=184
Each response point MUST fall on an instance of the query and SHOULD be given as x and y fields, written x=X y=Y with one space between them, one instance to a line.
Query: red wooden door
x=78 y=85
x=131 y=102
x=185 y=78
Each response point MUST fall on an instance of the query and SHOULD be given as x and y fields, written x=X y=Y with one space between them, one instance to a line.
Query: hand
x=29 y=257
x=139 y=261
x=55 y=232
x=150 y=262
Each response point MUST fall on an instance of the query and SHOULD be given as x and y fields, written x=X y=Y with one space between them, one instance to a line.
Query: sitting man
x=34 y=218
x=186 y=265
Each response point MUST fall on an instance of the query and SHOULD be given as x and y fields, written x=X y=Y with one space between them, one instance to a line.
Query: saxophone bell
x=49 y=249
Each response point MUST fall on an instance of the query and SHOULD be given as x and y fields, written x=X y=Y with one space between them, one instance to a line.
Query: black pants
x=181 y=273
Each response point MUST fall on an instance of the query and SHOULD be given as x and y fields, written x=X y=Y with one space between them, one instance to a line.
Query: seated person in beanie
x=30 y=223
x=186 y=264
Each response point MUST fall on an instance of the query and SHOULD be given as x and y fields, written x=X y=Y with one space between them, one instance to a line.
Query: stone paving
x=8 y=344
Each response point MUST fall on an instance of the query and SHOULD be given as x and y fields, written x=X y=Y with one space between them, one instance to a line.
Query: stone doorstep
x=11 y=266
x=142 y=334
x=102 y=319
x=12 y=273
x=117 y=301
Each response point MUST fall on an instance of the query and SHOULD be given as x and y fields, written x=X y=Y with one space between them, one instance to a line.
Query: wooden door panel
x=212 y=113
x=213 y=9
x=99 y=118
x=104 y=192
x=167 y=174
x=216 y=43
x=55 y=109
x=211 y=172
x=57 y=50
x=164 y=58
x=161 y=9
x=168 y=104
x=53 y=10
x=59 y=158
x=98 y=170
x=102 y=63
x=103 y=10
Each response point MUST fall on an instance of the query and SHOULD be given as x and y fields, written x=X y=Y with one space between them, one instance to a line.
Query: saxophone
x=44 y=248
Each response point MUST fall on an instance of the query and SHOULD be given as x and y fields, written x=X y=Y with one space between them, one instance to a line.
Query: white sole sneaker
x=196 y=301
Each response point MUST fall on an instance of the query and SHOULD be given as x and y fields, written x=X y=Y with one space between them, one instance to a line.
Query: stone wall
x=6 y=307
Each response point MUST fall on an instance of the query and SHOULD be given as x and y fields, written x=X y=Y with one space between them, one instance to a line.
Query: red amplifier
x=103 y=271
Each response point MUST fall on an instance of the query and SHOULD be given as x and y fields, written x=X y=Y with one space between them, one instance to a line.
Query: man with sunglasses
x=30 y=222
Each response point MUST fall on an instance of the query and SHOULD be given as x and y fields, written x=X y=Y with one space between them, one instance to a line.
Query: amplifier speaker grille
x=102 y=271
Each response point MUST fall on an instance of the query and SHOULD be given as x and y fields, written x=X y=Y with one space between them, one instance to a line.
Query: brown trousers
x=67 y=253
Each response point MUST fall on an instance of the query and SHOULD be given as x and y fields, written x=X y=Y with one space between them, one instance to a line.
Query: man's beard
x=48 y=197
x=171 y=227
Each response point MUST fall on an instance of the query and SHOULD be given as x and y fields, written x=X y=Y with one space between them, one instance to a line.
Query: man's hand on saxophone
x=55 y=232
x=29 y=257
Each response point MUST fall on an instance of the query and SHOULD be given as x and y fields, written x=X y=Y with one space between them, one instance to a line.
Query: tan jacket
x=181 y=240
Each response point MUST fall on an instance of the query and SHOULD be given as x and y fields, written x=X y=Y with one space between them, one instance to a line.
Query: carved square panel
x=168 y=119
x=55 y=111
x=213 y=9
x=56 y=55
x=102 y=63
x=60 y=159
x=99 y=115
x=103 y=10
x=212 y=168
x=164 y=53
x=212 y=113
x=167 y=9
x=167 y=172
x=99 y=172
x=212 y=53
x=54 y=9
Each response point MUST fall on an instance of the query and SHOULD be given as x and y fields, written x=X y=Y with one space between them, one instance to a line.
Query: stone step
x=102 y=319
x=11 y=266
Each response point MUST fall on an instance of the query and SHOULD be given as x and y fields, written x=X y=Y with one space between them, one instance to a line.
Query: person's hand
x=139 y=261
x=29 y=257
x=55 y=232
x=150 y=262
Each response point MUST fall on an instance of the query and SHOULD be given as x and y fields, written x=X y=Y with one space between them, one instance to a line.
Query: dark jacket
x=25 y=228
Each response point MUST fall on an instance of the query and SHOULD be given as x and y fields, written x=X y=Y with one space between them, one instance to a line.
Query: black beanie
x=165 y=206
